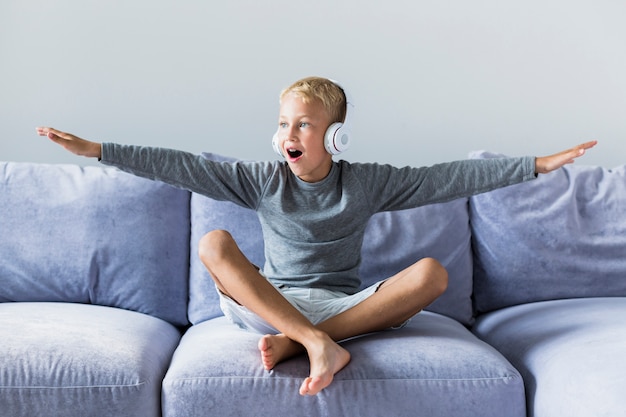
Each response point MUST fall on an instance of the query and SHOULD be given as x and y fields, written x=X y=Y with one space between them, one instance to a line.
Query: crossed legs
x=397 y=299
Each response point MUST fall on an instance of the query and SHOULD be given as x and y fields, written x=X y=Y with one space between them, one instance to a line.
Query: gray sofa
x=105 y=309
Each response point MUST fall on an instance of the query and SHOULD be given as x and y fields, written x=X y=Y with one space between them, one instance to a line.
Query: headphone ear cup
x=337 y=138
x=276 y=144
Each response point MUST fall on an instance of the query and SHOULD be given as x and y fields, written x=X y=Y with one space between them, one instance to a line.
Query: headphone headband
x=337 y=137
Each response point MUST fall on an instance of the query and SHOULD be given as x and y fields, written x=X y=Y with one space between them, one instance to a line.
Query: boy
x=313 y=212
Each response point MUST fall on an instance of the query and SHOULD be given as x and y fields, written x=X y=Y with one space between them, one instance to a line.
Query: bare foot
x=326 y=360
x=276 y=348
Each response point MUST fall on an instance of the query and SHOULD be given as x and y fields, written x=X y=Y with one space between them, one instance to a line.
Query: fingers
x=576 y=151
x=580 y=149
x=56 y=135
x=43 y=131
x=72 y=143
x=588 y=145
x=550 y=163
x=52 y=133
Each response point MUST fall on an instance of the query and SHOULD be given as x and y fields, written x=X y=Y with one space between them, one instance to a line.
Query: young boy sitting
x=313 y=212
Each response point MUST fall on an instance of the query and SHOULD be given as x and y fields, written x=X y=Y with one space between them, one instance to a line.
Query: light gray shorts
x=315 y=304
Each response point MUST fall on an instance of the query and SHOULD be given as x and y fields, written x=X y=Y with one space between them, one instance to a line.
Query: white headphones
x=337 y=136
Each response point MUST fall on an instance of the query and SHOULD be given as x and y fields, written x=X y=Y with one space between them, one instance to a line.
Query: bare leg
x=236 y=277
x=397 y=300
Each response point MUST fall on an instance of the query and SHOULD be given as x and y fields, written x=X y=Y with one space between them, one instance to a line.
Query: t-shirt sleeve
x=239 y=182
x=389 y=188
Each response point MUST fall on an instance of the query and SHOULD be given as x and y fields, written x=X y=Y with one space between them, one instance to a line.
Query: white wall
x=431 y=80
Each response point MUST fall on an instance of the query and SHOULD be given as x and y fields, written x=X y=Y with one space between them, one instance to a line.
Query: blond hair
x=327 y=92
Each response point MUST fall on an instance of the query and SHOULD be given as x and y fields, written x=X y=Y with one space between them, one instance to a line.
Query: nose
x=289 y=133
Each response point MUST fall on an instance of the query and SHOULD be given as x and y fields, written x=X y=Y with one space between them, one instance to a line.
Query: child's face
x=301 y=137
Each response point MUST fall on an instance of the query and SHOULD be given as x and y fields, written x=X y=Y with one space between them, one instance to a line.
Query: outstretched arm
x=545 y=164
x=82 y=147
x=72 y=143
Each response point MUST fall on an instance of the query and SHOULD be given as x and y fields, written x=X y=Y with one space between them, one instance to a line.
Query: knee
x=436 y=275
x=214 y=246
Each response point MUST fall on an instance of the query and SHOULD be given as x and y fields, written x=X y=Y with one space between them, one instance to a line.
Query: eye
x=282 y=125
x=304 y=124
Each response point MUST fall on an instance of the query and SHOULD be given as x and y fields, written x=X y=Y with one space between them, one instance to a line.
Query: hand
x=72 y=143
x=545 y=164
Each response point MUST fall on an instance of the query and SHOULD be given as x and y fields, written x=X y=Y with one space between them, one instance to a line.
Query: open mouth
x=294 y=153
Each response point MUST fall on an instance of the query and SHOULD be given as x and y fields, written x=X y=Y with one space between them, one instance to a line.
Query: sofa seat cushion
x=560 y=236
x=569 y=352
x=432 y=367
x=93 y=235
x=63 y=360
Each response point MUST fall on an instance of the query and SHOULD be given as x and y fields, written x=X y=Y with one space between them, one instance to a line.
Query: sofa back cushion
x=243 y=224
x=393 y=241
x=207 y=215
x=93 y=235
x=562 y=235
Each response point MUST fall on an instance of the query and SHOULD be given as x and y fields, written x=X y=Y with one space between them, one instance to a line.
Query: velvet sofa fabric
x=68 y=359
x=560 y=236
x=550 y=280
x=93 y=284
x=432 y=367
x=106 y=310
x=395 y=240
x=93 y=235
x=569 y=352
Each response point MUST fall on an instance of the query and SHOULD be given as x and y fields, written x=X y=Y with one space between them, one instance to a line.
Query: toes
x=304 y=388
x=313 y=385
x=263 y=344
x=265 y=348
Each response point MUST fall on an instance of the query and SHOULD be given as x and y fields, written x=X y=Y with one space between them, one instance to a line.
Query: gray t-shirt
x=313 y=232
